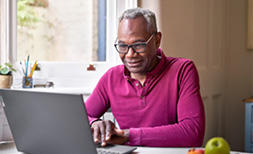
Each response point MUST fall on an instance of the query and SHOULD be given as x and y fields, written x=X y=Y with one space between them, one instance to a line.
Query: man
x=155 y=99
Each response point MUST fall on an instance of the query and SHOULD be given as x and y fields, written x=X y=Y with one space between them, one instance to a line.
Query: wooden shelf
x=248 y=100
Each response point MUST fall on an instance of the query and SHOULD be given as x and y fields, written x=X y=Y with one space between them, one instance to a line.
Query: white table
x=10 y=148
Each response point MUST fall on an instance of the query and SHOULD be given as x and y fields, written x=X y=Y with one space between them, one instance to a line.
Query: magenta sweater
x=167 y=111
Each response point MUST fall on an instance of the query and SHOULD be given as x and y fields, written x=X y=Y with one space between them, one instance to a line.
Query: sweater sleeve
x=98 y=102
x=190 y=127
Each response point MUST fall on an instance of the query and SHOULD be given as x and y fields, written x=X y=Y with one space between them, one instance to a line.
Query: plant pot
x=5 y=81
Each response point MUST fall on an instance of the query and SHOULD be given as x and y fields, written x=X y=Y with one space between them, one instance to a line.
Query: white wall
x=210 y=32
x=238 y=73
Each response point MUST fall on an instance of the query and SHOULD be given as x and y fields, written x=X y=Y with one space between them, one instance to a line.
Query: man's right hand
x=102 y=131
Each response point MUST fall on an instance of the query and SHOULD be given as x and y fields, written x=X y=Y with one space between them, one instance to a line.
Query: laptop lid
x=48 y=123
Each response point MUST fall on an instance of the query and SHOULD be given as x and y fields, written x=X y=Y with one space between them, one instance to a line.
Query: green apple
x=217 y=145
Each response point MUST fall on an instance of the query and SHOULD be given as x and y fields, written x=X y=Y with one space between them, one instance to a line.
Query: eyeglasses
x=137 y=47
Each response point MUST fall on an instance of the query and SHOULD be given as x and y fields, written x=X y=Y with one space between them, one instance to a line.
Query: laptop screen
x=48 y=123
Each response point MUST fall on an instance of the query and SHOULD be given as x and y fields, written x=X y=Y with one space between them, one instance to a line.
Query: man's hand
x=105 y=132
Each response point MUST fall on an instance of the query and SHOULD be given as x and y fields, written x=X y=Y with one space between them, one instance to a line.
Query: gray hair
x=148 y=15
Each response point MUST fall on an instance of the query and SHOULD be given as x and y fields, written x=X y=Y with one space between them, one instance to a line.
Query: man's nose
x=130 y=52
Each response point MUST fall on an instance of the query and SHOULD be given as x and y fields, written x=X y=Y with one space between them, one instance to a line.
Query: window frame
x=8 y=31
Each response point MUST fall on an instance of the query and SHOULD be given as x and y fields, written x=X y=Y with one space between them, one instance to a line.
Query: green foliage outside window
x=26 y=15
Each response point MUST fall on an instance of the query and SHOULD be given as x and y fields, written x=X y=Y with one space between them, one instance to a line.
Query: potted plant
x=6 y=75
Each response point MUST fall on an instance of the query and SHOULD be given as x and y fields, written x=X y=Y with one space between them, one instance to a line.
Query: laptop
x=51 y=123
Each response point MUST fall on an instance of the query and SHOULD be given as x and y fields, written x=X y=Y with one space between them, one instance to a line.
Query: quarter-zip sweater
x=166 y=111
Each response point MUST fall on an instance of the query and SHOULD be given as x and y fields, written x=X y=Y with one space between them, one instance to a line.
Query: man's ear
x=158 y=39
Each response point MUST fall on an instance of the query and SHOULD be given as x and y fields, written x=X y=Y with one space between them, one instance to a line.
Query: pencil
x=32 y=70
x=26 y=67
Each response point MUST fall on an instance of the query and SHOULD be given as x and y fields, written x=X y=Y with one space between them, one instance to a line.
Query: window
x=61 y=30
x=65 y=66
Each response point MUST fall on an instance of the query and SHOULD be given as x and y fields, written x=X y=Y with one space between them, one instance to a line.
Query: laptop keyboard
x=103 y=151
x=115 y=149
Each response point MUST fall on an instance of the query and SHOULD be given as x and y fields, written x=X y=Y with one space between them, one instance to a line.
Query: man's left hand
x=119 y=136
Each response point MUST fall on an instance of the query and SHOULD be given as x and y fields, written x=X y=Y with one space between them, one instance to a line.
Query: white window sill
x=73 y=90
